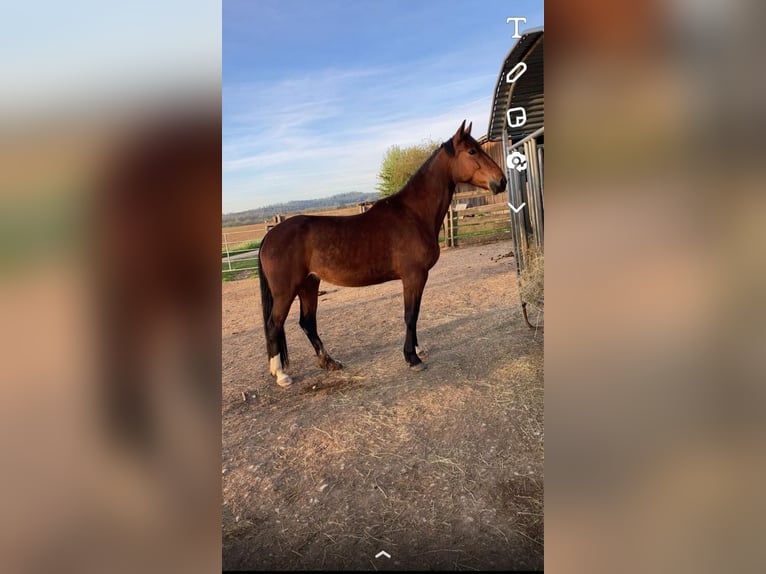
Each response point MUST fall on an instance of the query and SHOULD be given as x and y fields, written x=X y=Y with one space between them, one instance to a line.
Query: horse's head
x=471 y=164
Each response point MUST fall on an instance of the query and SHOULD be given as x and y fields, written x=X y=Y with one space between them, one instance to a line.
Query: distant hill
x=262 y=214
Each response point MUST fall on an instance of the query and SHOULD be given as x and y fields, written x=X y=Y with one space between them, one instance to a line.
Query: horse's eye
x=472 y=151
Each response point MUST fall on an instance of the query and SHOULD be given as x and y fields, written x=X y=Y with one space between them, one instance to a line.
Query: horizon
x=313 y=96
x=288 y=202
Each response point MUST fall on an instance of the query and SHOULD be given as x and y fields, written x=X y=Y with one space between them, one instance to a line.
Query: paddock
x=442 y=469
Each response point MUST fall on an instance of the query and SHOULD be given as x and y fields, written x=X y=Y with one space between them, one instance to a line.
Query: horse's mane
x=424 y=166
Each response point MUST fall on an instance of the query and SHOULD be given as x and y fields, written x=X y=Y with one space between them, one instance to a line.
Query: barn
x=516 y=128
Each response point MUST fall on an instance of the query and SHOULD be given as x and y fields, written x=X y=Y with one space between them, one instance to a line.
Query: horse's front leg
x=413 y=292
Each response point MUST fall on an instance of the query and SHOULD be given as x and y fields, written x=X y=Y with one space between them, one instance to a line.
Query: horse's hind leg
x=309 y=295
x=276 y=342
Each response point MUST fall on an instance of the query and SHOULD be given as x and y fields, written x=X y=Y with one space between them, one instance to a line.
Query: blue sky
x=316 y=91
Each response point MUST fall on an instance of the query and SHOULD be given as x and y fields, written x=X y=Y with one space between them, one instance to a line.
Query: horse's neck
x=429 y=193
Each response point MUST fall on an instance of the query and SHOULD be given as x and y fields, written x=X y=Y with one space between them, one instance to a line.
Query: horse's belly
x=352 y=258
x=353 y=278
x=347 y=274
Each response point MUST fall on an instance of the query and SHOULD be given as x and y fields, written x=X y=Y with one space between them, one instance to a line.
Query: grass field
x=242 y=269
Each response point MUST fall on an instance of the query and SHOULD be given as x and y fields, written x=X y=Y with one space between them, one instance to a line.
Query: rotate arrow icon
x=382 y=553
x=517 y=209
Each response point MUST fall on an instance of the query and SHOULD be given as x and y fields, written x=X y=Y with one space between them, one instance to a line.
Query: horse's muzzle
x=496 y=187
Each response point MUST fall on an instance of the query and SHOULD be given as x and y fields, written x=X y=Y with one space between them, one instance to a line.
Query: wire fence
x=239 y=252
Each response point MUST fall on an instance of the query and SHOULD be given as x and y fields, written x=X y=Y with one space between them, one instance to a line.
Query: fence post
x=226 y=245
x=452 y=224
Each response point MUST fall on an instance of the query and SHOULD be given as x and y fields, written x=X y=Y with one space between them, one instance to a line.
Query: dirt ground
x=442 y=469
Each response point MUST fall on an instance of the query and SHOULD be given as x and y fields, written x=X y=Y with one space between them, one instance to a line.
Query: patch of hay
x=532 y=288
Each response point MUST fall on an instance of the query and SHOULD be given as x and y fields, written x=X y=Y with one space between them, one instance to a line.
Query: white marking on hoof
x=275 y=367
x=275 y=363
x=284 y=380
x=420 y=352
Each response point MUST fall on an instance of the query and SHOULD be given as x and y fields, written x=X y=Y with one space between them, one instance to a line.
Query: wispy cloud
x=311 y=136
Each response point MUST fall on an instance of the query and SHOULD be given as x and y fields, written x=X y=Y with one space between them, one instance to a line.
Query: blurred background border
x=110 y=199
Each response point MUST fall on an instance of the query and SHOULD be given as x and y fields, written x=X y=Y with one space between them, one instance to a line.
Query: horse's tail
x=267 y=303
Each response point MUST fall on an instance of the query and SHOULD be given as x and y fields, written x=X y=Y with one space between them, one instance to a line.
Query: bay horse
x=397 y=238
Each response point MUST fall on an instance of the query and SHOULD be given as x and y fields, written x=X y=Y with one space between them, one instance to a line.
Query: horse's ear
x=468 y=129
x=458 y=137
x=459 y=133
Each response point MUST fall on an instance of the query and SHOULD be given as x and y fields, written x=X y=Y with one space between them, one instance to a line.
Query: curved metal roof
x=526 y=92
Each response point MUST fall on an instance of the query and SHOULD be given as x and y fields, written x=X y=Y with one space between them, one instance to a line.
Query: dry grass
x=442 y=469
x=532 y=288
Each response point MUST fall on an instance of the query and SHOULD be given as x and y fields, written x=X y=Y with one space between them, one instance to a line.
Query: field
x=442 y=469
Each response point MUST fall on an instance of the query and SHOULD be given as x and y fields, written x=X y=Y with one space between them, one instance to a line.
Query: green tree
x=399 y=164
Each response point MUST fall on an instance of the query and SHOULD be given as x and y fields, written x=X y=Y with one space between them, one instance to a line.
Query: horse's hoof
x=422 y=353
x=419 y=367
x=330 y=364
x=284 y=380
x=333 y=365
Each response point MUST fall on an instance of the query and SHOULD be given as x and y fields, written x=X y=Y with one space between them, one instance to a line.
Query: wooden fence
x=474 y=225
